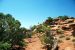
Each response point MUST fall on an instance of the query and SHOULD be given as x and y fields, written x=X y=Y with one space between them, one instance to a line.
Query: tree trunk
x=48 y=47
x=55 y=45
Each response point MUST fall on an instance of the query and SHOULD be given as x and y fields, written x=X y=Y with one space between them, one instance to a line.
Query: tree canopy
x=63 y=17
x=49 y=21
x=10 y=32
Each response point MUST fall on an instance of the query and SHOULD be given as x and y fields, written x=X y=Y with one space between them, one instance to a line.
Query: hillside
x=61 y=30
x=53 y=34
x=64 y=34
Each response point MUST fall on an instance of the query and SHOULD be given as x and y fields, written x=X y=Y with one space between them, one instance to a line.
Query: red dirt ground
x=35 y=44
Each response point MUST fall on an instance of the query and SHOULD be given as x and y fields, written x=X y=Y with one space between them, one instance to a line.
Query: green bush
x=63 y=17
x=10 y=32
x=42 y=28
x=47 y=38
x=33 y=27
x=4 y=46
x=49 y=21
x=29 y=34
x=59 y=31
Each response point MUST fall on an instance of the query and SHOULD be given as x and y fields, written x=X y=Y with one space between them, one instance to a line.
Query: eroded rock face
x=69 y=20
x=68 y=33
x=72 y=25
x=66 y=28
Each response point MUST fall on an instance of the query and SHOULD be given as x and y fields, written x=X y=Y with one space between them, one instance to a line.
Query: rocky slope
x=66 y=39
x=63 y=31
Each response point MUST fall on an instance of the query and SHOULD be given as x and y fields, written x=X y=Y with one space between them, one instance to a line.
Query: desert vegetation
x=11 y=34
x=50 y=33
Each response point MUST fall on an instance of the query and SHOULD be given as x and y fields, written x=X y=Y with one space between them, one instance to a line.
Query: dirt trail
x=35 y=44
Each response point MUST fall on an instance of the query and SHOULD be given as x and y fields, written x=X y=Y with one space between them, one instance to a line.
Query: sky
x=32 y=12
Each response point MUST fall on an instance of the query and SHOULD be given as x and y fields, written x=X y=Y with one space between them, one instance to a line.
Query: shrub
x=67 y=38
x=72 y=17
x=10 y=32
x=59 y=31
x=63 y=17
x=29 y=34
x=33 y=27
x=60 y=41
x=73 y=40
x=42 y=28
x=61 y=36
x=47 y=39
x=4 y=46
x=49 y=21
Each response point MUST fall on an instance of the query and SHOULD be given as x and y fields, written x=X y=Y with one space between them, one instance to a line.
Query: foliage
x=47 y=38
x=49 y=21
x=72 y=17
x=63 y=17
x=4 y=46
x=12 y=34
x=59 y=31
x=29 y=34
x=43 y=28
x=10 y=31
x=33 y=27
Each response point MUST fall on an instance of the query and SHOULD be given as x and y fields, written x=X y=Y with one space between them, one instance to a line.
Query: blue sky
x=30 y=12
